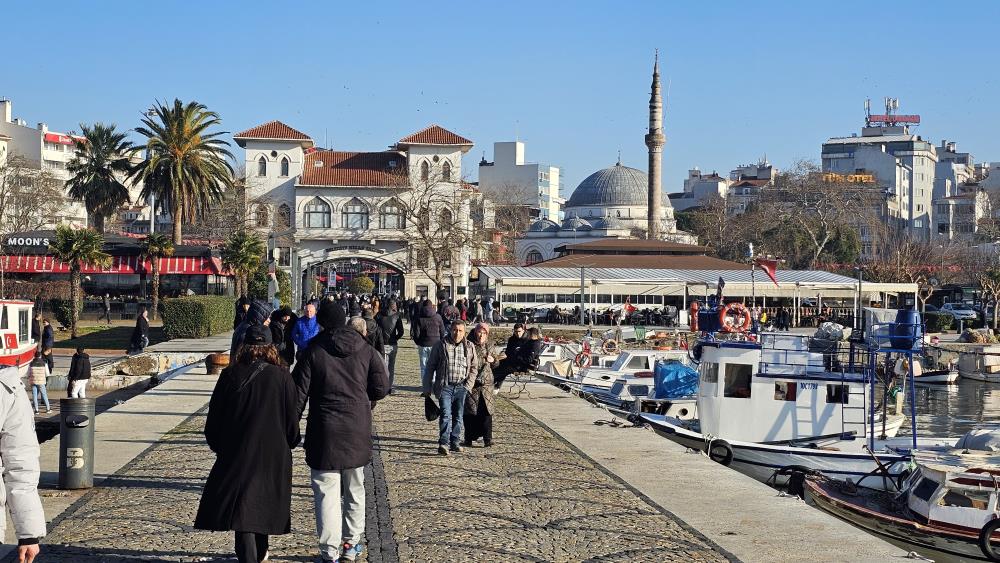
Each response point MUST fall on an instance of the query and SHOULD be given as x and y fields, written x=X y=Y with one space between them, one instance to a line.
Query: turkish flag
x=629 y=307
x=770 y=267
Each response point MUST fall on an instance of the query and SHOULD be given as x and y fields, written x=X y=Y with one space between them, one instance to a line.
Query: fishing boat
x=981 y=363
x=946 y=509
x=18 y=348
x=594 y=377
x=947 y=376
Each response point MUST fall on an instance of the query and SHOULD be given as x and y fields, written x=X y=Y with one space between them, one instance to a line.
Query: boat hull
x=937 y=377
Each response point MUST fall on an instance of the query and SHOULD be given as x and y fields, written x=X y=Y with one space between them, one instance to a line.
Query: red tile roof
x=434 y=135
x=273 y=130
x=339 y=168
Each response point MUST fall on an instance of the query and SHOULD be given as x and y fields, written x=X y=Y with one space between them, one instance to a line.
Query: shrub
x=197 y=316
x=361 y=285
x=938 y=322
x=62 y=310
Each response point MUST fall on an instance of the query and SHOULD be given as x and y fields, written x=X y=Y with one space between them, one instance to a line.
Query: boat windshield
x=620 y=361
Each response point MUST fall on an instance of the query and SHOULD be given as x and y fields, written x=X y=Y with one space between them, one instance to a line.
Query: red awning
x=40 y=264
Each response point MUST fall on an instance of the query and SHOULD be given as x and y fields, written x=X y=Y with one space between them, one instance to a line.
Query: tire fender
x=720 y=451
x=984 y=540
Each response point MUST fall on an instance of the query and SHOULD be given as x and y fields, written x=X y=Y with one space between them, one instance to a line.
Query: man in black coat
x=79 y=375
x=427 y=330
x=339 y=375
x=390 y=325
x=281 y=333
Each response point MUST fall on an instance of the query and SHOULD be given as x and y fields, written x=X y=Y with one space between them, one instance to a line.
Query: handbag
x=431 y=410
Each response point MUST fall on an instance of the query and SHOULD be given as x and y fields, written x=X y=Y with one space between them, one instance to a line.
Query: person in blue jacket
x=305 y=329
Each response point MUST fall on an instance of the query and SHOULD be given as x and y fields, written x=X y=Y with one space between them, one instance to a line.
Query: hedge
x=197 y=316
x=938 y=322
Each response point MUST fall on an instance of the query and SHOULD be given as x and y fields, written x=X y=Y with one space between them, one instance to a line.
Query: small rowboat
x=937 y=377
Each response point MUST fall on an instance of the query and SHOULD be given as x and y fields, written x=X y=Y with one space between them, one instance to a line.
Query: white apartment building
x=535 y=185
x=335 y=214
x=739 y=190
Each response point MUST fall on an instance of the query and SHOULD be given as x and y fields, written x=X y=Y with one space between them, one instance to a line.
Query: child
x=79 y=375
x=38 y=375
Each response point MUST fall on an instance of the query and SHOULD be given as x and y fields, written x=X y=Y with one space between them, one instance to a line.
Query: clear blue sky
x=571 y=79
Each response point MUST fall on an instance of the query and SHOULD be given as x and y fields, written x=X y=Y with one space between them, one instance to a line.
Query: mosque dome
x=616 y=185
x=609 y=223
x=543 y=226
x=575 y=224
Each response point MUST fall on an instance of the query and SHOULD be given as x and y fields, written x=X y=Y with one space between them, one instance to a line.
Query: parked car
x=960 y=311
x=928 y=308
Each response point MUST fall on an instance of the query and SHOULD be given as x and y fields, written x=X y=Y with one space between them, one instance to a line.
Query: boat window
x=837 y=394
x=925 y=489
x=784 y=390
x=638 y=390
x=3 y=318
x=966 y=499
x=638 y=362
x=619 y=362
x=709 y=372
x=23 y=324
x=738 y=381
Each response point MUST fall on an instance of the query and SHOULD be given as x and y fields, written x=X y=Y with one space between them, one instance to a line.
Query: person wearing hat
x=282 y=322
x=259 y=314
x=479 y=401
x=252 y=427
x=340 y=376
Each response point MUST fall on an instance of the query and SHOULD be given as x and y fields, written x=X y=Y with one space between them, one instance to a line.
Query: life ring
x=720 y=451
x=609 y=346
x=693 y=320
x=984 y=539
x=741 y=323
x=582 y=360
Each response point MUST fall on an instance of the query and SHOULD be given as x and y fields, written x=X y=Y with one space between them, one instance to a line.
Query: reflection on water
x=952 y=410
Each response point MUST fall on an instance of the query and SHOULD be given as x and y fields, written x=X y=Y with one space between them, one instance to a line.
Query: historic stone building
x=402 y=216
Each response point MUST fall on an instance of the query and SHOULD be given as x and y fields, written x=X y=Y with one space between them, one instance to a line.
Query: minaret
x=655 y=141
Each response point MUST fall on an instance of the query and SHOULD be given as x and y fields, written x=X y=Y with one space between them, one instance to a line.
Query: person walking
x=48 y=342
x=38 y=376
x=242 y=306
x=479 y=403
x=282 y=322
x=450 y=375
x=339 y=375
x=305 y=329
x=259 y=314
x=106 y=302
x=79 y=375
x=19 y=451
x=36 y=330
x=140 y=334
x=372 y=332
x=390 y=324
x=252 y=427
x=427 y=330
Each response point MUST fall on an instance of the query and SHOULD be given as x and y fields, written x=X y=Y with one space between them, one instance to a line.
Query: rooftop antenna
x=868 y=112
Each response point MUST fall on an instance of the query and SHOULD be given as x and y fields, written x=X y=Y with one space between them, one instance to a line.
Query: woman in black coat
x=252 y=427
x=140 y=334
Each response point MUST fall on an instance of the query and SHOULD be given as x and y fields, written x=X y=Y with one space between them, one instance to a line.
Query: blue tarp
x=674 y=380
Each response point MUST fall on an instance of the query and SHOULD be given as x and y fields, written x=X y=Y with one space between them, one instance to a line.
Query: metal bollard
x=76 y=443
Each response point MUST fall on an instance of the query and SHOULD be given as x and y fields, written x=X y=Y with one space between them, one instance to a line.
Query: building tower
x=654 y=142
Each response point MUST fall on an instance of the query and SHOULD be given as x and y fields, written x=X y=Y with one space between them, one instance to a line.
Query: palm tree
x=242 y=254
x=78 y=248
x=102 y=157
x=186 y=167
x=156 y=246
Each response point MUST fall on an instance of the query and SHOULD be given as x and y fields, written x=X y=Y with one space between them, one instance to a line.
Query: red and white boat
x=18 y=348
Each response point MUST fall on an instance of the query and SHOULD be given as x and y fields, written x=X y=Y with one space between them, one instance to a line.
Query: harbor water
x=951 y=410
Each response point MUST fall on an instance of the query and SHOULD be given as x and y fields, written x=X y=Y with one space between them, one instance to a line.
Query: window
x=534 y=257
x=446 y=172
x=709 y=372
x=737 y=383
x=317 y=214
x=355 y=215
x=446 y=219
x=925 y=489
x=262 y=166
x=284 y=167
x=284 y=218
x=3 y=318
x=920 y=207
x=425 y=171
x=392 y=215
x=837 y=394
x=424 y=219
x=784 y=390
x=918 y=223
x=23 y=333
x=966 y=498
x=638 y=362
x=261 y=217
x=423 y=258
x=284 y=256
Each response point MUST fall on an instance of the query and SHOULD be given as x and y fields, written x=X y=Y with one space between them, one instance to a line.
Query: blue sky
x=571 y=79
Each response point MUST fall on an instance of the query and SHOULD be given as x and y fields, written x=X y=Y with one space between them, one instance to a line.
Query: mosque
x=617 y=202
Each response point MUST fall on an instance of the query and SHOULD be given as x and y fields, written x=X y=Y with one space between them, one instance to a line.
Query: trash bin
x=76 y=443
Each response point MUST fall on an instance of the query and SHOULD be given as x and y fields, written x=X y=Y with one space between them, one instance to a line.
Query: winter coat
x=49 y=337
x=391 y=327
x=527 y=356
x=514 y=346
x=428 y=329
x=339 y=375
x=140 y=334
x=252 y=428
x=38 y=373
x=79 y=367
x=305 y=330
x=19 y=455
x=36 y=330
x=240 y=315
x=482 y=388
x=436 y=374
x=374 y=335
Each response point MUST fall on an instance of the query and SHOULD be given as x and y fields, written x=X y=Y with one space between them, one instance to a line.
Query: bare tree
x=982 y=266
x=898 y=258
x=29 y=198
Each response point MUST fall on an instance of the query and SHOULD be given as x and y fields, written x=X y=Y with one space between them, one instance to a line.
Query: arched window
x=261 y=216
x=284 y=166
x=446 y=172
x=534 y=257
x=425 y=171
x=445 y=218
x=392 y=215
x=262 y=166
x=355 y=215
x=317 y=214
x=284 y=218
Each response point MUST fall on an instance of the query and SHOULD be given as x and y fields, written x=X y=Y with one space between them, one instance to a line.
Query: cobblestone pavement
x=530 y=497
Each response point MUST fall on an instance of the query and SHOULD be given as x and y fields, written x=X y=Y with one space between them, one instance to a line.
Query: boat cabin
x=957 y=488
x=18 y=347
x=777 y=390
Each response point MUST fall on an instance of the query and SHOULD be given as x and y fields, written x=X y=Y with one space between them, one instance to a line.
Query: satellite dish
x=933 y=281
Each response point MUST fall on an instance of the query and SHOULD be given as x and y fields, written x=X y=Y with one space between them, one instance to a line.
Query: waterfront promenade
x=535 y=496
